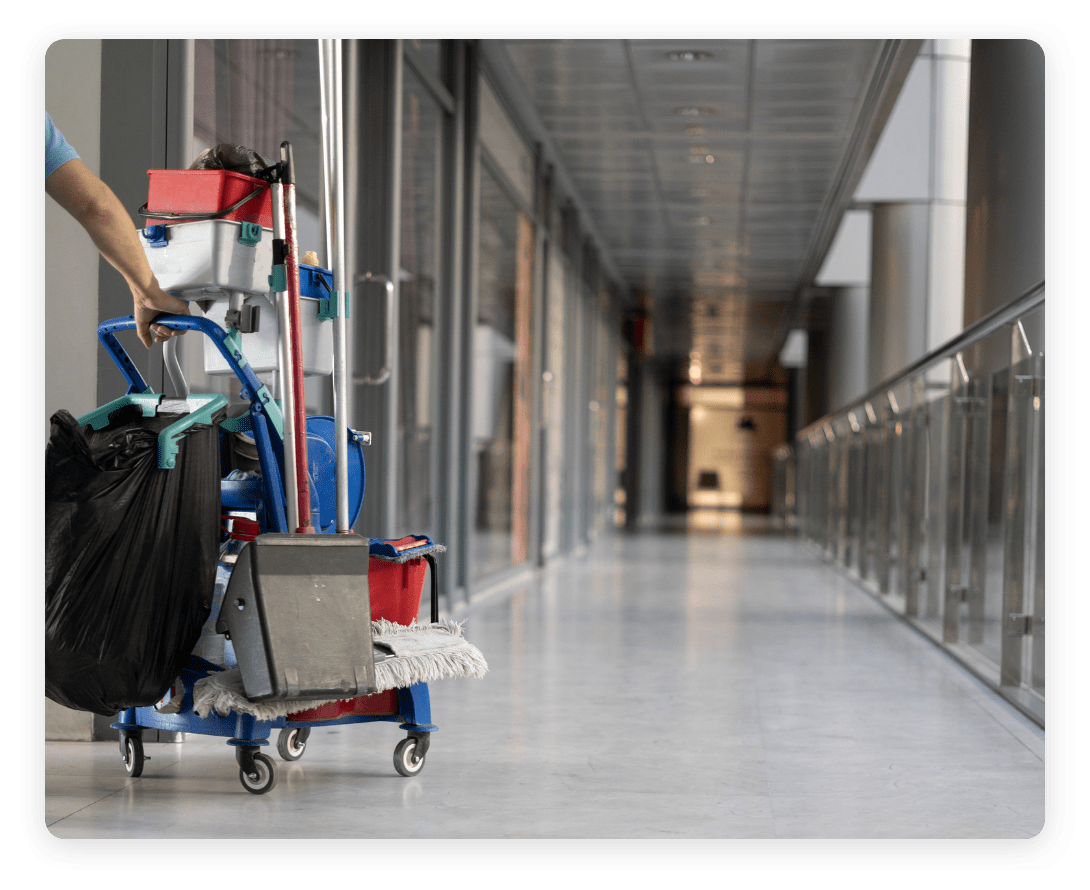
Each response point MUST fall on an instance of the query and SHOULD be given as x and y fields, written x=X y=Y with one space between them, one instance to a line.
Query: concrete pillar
x=948 y=169
x=916 y=186
x=846 y=270
x=849 y=332
x=899 y=288
x=1005 y=236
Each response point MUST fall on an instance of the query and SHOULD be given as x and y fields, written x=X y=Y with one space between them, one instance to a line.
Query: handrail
x=978 y=330
x=391 y=331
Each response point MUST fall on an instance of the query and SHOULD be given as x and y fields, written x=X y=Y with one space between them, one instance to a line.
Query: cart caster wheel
x=263 y=779
x=134 y=756
x=291 y=743
x=405 y=760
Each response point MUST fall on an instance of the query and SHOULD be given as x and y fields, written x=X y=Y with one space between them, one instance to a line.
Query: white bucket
x=260 y=347
x=201 y=259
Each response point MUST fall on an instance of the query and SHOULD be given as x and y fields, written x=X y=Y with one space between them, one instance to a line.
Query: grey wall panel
x=72 y=95
x=1005 y=240
x=848 y=345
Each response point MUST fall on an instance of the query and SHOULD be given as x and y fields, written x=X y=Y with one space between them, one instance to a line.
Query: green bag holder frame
x=148 y=402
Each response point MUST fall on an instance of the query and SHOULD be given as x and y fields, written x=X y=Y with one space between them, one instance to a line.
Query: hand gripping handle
x=228 y=345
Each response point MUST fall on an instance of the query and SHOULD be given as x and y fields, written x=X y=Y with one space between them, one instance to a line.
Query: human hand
x=149 y=302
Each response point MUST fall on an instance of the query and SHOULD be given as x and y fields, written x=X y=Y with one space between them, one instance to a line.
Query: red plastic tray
x=207 y=191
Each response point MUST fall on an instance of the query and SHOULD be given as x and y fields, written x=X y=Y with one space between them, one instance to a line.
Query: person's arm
x=89 y=200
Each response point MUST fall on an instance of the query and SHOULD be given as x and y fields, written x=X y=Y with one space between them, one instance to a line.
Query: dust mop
x=413 y=654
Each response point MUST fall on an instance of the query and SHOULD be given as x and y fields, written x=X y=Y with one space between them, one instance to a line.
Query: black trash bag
x=130 y=558
x=236 y=158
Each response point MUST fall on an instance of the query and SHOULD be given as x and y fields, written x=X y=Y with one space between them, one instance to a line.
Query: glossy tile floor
x=714 y=685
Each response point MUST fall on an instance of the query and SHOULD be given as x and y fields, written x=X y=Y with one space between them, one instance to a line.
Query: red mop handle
x=295 y=339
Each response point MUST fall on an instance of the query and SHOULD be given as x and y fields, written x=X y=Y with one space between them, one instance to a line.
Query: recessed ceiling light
x=701 y=159
x=688 y=55
x=694 y=111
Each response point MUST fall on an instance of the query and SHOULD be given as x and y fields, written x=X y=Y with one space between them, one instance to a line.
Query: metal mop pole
x=324 y=63
x=333 y=141
x=287 y=395
x=298 y=454
x=340 y=323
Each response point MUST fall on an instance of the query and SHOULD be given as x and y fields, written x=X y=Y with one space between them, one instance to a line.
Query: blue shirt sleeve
x=57 y=149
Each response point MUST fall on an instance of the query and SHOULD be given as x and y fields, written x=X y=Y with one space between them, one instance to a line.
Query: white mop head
x=423 y=653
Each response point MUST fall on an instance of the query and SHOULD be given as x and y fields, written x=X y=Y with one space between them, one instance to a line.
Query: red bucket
x=396 y=589
x=207 y=191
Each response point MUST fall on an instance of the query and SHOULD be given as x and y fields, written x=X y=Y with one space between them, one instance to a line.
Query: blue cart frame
x=244 y=732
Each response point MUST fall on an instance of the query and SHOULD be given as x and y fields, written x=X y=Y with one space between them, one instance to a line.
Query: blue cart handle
x=228 y=344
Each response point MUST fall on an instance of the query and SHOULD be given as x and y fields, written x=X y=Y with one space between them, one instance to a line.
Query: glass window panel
x=552 y=401
x=501 y=391
x=257 y=94
x=427 y=52
x=505 y=145
x=421 y=146
x=600 y=415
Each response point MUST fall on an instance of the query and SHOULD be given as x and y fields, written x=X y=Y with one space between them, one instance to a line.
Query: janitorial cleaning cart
x=303 y=622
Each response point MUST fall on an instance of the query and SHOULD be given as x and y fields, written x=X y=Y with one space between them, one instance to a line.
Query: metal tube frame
x=331 y=77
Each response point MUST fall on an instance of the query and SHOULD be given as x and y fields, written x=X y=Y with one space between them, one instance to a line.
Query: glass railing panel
x=1036 y=656
x=933 y=558
x=930 y=492
x=872 y=472
x=984 y=631
x=912 y=497
x=885 y=501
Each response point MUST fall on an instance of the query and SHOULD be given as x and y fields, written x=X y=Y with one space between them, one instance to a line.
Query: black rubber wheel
x=292 y=742
x=405 y=760
x=134 y=756
x=264 y=778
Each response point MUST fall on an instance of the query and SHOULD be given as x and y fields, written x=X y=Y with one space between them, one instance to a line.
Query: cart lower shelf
x=410 y=707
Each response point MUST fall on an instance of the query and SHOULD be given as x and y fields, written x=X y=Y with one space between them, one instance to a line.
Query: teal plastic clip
x=331 y=308
x=244 y=423
x=100 y=417
x=250 y=234
x=273 y=409
x=278 y=281
x=168 y=438
x=233 y=340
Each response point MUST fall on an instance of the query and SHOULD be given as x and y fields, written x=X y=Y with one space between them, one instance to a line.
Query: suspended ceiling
x=714 y=173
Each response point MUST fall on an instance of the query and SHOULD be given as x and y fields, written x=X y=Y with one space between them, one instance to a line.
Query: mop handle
x=295 y=339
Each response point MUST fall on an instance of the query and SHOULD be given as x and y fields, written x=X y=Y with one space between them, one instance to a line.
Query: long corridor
x=663 y=685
